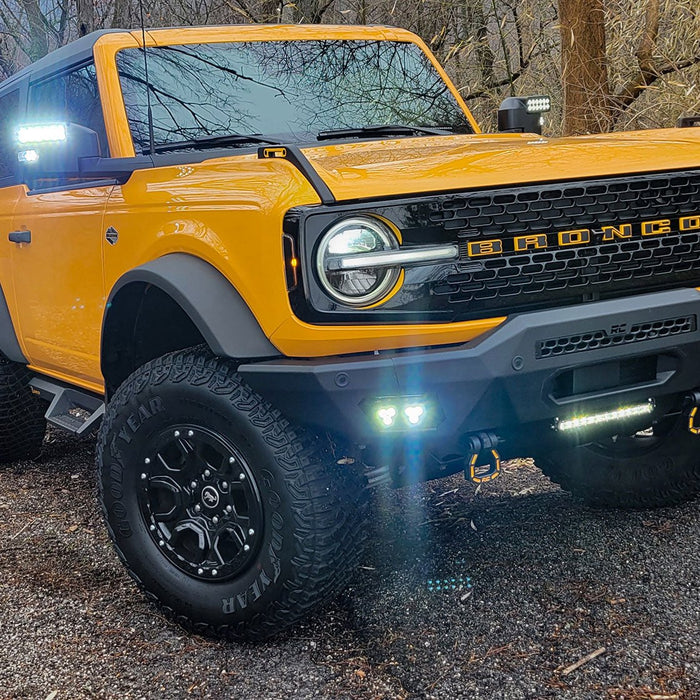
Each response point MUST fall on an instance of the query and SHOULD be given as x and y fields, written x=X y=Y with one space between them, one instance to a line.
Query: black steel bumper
x=514 y=381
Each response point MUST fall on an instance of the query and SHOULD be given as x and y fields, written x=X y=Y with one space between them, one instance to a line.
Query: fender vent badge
x=112 y=235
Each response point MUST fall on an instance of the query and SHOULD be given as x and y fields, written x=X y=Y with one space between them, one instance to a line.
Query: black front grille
x=566 y=345
x=503 y=282
x=561 y=275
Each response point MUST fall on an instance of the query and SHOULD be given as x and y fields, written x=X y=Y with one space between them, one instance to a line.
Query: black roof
x=76 y=52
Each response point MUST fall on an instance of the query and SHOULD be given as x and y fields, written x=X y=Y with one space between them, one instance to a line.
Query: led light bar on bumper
x=593 y=419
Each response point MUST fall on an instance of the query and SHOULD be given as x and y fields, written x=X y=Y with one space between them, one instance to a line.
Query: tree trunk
x=38 y=36
x=584 y=66
x=85 y=16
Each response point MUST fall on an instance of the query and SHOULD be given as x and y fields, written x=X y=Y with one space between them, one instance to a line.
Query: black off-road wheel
x=230 y=520
x=22 y=422
x=654 y=468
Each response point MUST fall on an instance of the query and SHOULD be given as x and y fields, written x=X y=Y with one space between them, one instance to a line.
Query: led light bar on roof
x=41 y=133
x=586 y=421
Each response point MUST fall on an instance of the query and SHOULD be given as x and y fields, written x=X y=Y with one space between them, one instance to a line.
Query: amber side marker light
x=592 y=419
x=291 y=262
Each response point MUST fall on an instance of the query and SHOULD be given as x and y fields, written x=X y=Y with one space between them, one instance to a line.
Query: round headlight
x=357 y=286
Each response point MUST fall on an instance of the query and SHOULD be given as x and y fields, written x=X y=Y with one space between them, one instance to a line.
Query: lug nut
x=215 y=520
x=224 y=484
x=197 y=508
x=207 y=473
x=152 y=528
x=161 y=543
x=246 y=547
x=144 y=475
x=176 y=433
x=241 y=476
x=214 y=572
x=147 y=460
x=231 y=460
x=200 y=571
x=251 y=531
x=190 y=433
x=229 y=509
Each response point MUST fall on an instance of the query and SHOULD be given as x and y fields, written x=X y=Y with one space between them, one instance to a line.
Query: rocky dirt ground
x=495 y=594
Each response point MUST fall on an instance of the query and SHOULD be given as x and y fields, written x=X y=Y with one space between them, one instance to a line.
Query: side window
x=9 y=109
x=72 y=97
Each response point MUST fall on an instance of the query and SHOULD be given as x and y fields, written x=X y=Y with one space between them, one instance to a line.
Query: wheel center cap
x=210 y=497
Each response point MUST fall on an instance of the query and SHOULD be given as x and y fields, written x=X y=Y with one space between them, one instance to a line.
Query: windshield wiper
x=381 y=130
x=203 y=142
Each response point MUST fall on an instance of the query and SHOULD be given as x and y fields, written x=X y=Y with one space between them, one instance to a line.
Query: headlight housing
x=357 y=286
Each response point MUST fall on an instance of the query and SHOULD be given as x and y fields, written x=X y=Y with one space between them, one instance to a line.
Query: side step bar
x=71 y=409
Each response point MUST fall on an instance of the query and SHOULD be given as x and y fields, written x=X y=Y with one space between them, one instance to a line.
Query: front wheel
x=653 y=468
x=230 y=520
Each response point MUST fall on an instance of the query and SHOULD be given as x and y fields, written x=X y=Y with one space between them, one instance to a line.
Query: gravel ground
x=539 y=583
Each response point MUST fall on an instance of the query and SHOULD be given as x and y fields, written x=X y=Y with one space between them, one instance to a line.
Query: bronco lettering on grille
x=582 y=236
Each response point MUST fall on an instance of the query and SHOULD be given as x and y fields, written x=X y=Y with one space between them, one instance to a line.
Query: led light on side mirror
x=30 y=156
x=535 y=105
x=41 y=133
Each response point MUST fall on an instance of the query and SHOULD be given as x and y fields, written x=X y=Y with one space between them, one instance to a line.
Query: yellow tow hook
x=692 y=411
x=484 y=462
x=693 y=403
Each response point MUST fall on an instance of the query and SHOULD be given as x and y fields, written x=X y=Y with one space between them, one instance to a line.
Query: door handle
x=20 y=237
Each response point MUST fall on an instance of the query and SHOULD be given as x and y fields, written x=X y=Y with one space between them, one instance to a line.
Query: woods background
x=608 y=64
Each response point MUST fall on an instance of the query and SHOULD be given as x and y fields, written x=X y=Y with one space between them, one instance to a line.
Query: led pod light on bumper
x=360 y=261
x=403 y=413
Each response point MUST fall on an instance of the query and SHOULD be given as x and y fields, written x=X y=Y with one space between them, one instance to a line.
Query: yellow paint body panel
x=443 y=163
x=229 y=212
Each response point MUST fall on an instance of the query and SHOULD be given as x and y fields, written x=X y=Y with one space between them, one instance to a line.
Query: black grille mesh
x=567 y=345
x=558 y=276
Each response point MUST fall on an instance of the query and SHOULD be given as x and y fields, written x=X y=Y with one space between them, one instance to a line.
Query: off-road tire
x=665 y=472
x=313 y=509
x=22 y=422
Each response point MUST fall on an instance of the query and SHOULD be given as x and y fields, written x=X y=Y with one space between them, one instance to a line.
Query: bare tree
x=584 y=66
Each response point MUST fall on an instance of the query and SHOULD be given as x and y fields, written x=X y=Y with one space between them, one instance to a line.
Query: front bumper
x=522 y=376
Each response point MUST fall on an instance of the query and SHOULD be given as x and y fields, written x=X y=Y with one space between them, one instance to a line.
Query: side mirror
x=523 y=114
x=54 y=150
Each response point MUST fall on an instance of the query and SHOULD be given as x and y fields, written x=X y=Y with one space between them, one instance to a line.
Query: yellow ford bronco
x=275 y=265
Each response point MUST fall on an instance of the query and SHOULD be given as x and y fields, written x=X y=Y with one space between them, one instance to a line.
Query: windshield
x=290 y=89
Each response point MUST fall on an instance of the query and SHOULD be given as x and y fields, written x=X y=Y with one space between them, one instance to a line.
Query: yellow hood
x=441 y=163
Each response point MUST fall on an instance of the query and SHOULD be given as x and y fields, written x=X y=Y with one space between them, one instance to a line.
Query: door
x=10 y=189
x=57 y=253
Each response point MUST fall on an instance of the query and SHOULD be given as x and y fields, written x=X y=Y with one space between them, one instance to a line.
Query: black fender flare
x=213 y=304
x=9 y=345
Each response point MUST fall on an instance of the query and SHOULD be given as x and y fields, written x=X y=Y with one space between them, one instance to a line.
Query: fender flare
x=9 y=345
x=213 y=304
